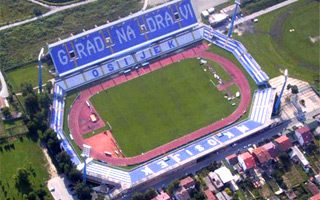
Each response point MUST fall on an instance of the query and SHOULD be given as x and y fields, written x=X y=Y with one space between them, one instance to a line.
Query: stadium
x=151 y=95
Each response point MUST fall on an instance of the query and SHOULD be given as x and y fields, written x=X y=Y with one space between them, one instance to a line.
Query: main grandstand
x=139 y=41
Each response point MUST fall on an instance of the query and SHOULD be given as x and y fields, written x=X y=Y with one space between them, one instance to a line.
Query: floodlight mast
x=40 y=69
x=85 y=154
x=237 y=2
x=278 y=102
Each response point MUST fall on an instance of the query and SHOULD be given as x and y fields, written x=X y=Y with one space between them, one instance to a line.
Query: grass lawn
x=25 y=154
x=161 y=106
x=25 y=74
x=294 y=176
x=276 y=48
x=17 y=10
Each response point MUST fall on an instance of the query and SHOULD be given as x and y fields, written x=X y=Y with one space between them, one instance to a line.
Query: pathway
x=265 y=11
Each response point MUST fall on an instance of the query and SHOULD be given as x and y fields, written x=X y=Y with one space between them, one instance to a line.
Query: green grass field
x=25 y=154
x=161 y=106
x=275 y=47
x=29 y=74
x=17 y=10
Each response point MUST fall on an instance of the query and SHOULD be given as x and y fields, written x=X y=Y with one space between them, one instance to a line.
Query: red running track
x=198 y=51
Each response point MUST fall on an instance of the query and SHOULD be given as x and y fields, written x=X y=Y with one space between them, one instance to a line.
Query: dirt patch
x=51 y=168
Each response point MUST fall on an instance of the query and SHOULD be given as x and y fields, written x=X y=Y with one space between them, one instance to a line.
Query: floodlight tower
x=40 y=70
x=278 y=102
x=237 y=2
x=85 y=154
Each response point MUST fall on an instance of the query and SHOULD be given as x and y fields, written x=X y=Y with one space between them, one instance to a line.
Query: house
x=209 y=195
x=283 y=143
x=304 y=135
x=215 y=179
x=246 y=161
x=271 y=148
x=224 y=174
x=262 y=155
x=317 y=179
x=312 y=188
x=162 y=196
x=187 y=183
x=315 y=197
x=232 y=159
x=182 y=194
x=298 y=156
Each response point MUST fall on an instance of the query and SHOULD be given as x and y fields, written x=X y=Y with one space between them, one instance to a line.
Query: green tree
x=137 y=196
x=150 y=194
x=31 y=104
x=74 y=175
x=173 y=186
x=49 y=87
x=36 y=11
x=83 y=191
x=6 y=112
x=22 y=181
x=27 y=89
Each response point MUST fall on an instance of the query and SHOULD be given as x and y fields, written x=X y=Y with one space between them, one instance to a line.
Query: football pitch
x=161 y=106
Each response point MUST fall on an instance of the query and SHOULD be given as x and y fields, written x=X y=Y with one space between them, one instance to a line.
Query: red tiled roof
x=312 y=188
x=315 y=197
x=187 y=182
x=261 y=154
x=209 y=195
x=283 y=142
x=162 y=196
x=248 y=160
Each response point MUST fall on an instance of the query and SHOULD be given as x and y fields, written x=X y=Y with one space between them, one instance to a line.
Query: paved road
x=42 y=4
x=218 y=156
x=265 y=11
x=51 y=12
x=60 y=192
x=4 y=89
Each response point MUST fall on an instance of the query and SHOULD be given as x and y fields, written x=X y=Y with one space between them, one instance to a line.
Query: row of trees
x=37 y=108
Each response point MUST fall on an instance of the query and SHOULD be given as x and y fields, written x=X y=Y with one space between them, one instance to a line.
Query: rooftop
x=248 y=160
x=296 y=152
x=187 y=182
x=284 y=142
x=224 y=174
x=262 y=155
x=162 y=196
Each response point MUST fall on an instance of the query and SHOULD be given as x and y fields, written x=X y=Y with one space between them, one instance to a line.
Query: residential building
x=182 y=194
x=315 y=197
x=215 y=179
x=298 y=156
x=209 y=195
x=262 y=155
x=187 y=183
x=162 y=196
x=224 y=174
x=283 y=143
x=271 y=148
x=246 y=161
x=312 y=188
x=232 y=159
x=304 y=135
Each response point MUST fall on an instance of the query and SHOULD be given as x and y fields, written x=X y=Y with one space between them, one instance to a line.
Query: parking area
x=61 y=189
